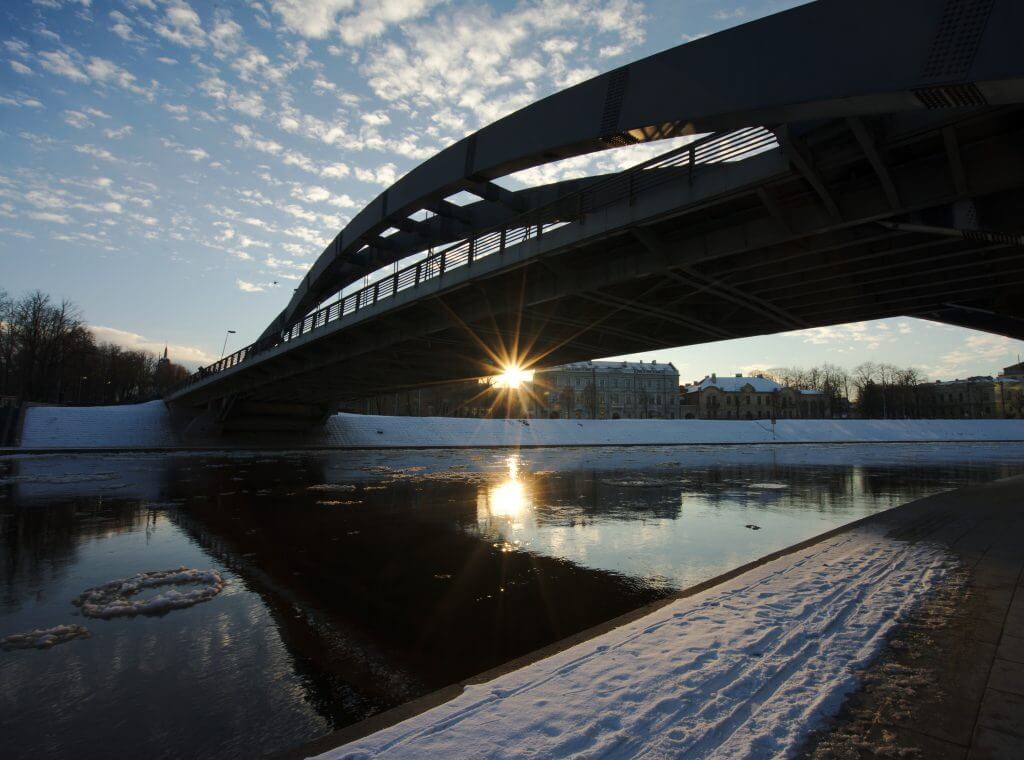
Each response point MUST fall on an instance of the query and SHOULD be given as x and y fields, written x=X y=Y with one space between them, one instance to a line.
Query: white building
x=606 y=390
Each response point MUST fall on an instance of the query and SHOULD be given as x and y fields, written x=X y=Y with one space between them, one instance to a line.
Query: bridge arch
x=827 y=59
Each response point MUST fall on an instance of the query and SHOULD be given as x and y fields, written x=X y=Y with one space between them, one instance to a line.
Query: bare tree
x=47 y=353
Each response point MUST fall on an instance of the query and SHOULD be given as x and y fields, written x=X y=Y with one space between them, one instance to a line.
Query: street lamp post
x=225 y=346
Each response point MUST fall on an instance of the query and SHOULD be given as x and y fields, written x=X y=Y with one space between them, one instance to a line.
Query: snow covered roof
x=979 y=379
x=735 y=384
x=606 y=366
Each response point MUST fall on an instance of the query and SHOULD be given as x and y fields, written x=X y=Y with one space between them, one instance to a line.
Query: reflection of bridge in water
x=860 y=160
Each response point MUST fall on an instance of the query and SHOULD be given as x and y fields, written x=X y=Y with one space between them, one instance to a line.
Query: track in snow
x=743 y=670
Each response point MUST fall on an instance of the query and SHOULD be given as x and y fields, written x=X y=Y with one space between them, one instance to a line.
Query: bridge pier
x=227 y=416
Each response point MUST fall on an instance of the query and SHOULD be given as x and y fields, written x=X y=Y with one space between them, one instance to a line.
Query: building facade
x=750 y=398
x=606 y=390
x=601 y=390
x=979 y=397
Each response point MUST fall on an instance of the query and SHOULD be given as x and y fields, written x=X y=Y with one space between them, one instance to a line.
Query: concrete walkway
x=957 y=668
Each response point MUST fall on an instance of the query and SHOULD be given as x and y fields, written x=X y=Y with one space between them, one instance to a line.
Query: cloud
x=605 y=162
x=385 y=174
x=250 y=287
x=77 y=119
x=119 y=133
x=311 y=18
x=60 y=63
x=20 y=101
x=487 y=64
x=20 y=67
x=248 y=103
x=376 y=118
x=980 y=348
x=190 y=355
x=49 y=216
x=249 y=139
x=843 y=338
x=196 y=154
x=107 y=72
x=375 y=16
x=181 y=25
x=100 y=153
x=311 y=193
x=726 y=14
x=122 y=27
x=335 y=171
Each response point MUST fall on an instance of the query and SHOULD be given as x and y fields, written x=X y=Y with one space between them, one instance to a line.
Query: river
x=358 y=580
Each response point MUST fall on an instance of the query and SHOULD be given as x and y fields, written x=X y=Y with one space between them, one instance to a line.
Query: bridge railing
x=685 y=161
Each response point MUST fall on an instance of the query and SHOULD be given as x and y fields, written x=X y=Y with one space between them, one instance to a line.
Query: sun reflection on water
x=510 y=498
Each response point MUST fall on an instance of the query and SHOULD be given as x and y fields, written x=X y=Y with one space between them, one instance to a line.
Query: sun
x=513 y=376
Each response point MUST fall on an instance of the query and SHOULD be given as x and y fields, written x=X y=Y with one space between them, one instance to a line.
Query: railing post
x=693 y=162
x=501 y=241
x=416 y=282
x=540 y=229
x=469 y=253
x=444 y=260
x=376 y=288
x=394 y=284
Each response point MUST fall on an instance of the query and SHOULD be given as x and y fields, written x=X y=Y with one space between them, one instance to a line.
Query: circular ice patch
x=44 y=638
x=114 y=599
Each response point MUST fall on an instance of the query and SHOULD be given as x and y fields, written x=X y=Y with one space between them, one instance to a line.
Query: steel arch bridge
x=849 y=160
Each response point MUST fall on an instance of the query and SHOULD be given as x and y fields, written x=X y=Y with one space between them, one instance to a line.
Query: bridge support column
x=227 y=417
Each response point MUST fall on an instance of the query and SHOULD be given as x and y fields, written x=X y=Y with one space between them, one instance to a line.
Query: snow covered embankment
x=149 y=426
x=745 y=669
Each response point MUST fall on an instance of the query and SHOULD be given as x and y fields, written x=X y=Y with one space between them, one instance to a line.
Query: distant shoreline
x=151 y=427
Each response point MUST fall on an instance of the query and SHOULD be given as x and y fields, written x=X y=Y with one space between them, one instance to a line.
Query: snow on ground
x=149 y=425
x=745 y=669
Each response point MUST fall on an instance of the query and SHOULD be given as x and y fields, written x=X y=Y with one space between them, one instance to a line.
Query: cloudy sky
x=165 y=163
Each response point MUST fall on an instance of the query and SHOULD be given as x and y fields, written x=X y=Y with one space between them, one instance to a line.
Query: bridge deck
x=744 y=247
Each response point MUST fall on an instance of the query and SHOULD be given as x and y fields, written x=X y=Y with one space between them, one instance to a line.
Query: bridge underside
x=914 y=215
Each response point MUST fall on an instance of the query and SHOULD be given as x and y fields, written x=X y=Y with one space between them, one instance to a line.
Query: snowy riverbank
x=746 y=668
x=149 y=426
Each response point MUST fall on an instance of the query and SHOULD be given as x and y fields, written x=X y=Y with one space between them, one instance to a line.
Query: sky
x=175 y=167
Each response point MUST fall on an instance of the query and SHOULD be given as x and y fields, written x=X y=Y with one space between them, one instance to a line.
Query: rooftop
x=736 y=383
x=607 y=366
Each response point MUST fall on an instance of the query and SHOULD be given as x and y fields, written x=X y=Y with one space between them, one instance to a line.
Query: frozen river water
x=356 y=581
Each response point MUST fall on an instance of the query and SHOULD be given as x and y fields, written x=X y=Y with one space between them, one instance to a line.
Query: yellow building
x=751 y=398
x=981 y=397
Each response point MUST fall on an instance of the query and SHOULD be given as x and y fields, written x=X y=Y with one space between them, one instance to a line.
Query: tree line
x=878 y=390
x=48 y=354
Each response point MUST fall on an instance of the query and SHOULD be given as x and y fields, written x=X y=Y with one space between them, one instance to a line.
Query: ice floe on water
x=769 y=486
x=113 y=599
x=44 y=638
x=331 y=487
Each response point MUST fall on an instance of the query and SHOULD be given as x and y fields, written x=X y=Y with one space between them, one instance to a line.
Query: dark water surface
x=360 y=580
